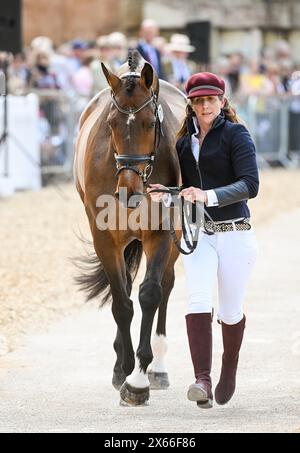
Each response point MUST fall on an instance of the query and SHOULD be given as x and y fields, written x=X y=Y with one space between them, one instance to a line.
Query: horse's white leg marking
x=138 y=378
x=159 y=349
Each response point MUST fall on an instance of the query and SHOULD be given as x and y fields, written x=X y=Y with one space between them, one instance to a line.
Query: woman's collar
x=193 y=125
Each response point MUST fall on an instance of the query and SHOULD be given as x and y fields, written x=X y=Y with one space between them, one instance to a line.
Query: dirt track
x=59 y=380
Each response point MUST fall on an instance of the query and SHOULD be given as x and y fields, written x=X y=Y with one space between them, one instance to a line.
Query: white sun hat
x=180 y=43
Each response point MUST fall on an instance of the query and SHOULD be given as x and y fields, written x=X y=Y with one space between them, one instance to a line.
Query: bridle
x=130 y=161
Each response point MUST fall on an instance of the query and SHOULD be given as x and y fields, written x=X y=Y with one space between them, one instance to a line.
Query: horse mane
x=134 y=60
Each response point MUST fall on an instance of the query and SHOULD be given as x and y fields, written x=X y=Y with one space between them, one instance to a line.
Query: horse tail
x=92 y=278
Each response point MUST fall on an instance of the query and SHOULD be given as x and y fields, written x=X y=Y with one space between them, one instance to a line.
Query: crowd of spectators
x=75 y=66
x=74 y=69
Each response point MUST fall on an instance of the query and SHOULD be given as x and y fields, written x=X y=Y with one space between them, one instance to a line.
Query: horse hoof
x=118 y=380
x=158 y=381
x=132 y=396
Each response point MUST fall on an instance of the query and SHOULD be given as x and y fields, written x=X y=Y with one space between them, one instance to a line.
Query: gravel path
x=59 y=381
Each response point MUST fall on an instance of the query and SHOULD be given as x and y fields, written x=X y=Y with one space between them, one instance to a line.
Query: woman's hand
x=157 y=196
x=193 y=194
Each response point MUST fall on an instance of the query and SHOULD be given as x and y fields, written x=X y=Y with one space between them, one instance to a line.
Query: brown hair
x=228 y=109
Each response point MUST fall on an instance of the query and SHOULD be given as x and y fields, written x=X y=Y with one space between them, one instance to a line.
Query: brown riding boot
x=232 y=341
x=199 y=332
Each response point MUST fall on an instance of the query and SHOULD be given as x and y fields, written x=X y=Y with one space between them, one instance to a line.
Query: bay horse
x=126 y=140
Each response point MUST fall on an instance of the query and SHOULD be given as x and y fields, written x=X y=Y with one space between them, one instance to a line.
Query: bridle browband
x=130 y=161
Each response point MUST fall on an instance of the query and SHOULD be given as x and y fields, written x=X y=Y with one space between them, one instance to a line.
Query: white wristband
x=212 y=199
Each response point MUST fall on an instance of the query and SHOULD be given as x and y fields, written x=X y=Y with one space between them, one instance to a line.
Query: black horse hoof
x=132 y=396
x=118 y=380
x=158 y=381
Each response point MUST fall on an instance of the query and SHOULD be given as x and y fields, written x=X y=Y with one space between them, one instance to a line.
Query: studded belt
x=223 y=227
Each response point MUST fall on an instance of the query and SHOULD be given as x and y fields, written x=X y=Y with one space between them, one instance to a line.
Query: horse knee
x=123 y=313
x=150 y=295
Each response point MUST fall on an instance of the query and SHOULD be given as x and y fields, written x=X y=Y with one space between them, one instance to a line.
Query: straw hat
x=117 y=39
x=103 y=41
x=42 y=44
x=180 y=43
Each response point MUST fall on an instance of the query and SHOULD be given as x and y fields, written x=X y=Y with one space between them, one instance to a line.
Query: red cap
x=204 y=84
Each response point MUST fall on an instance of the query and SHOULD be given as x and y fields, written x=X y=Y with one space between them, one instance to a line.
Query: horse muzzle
x=129 y=200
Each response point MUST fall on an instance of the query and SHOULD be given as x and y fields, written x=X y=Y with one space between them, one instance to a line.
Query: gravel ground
x=38 y=236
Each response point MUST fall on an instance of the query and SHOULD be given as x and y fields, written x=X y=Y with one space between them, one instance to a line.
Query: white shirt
x=212 y=199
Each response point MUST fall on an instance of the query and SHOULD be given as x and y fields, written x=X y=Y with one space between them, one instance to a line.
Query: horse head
x=134 y=123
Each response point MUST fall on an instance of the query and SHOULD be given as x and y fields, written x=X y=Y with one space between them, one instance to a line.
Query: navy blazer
x=146 y=57
x=227 y=163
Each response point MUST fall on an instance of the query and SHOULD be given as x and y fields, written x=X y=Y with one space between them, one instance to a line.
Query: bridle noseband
x=130 y=161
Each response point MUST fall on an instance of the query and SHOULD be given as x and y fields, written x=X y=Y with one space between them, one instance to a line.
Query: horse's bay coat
x=120 y=146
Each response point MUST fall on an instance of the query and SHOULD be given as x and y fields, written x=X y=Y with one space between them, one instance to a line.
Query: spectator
x=148 y=31
x=235 y=64
x=274 y=85
x=178 y=69
x=118 y=47
x=58 y=60
x=105 y=56
x=253 y=82
x=79 y=48
x=222 y=68
x=83 y=78
x=42 y=78
x=19 y=75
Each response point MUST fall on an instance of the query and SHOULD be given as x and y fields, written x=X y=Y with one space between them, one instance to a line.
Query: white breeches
x=230 y=258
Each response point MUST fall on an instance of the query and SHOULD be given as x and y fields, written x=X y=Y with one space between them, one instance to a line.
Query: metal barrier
x=274 y=123
x=58 y=122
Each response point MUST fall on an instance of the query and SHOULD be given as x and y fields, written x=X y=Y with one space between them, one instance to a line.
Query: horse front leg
x=157 y=249
x=113 y=262
x=118 y=374
x=157 y=373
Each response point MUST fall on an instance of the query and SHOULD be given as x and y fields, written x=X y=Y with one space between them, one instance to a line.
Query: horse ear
x=147 y=76
x=114 y=81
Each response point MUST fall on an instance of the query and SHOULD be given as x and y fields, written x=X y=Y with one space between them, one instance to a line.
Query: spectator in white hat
x=58 y=62
x=178 y=68
x=104 y=55
x=119 y=49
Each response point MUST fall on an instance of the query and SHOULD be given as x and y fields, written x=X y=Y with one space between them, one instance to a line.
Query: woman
x=218 y=167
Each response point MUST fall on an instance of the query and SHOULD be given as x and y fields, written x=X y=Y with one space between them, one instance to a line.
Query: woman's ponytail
x=230 y=113
x=184 y=129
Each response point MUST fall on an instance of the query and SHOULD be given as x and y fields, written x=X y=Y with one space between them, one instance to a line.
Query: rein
x=191 y=244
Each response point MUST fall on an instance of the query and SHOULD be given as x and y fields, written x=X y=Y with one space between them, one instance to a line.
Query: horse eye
x=152 y=125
